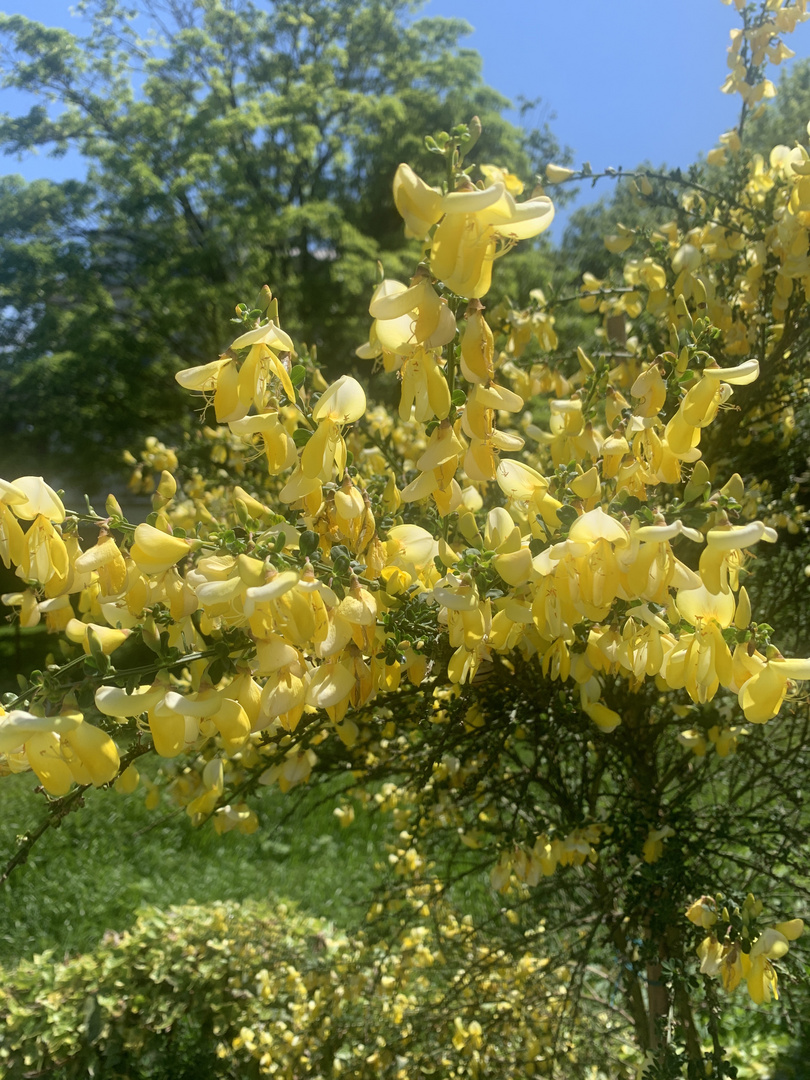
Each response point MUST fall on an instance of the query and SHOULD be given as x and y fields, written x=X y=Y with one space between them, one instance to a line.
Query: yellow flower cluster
x=758 y=42
x=526 y=866
x=556 y=567
x=474 y=225
x=333 y=591
x=747 y=955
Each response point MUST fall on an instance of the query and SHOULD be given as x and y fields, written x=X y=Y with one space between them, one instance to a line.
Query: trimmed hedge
x=186 y=993
x=239 y=991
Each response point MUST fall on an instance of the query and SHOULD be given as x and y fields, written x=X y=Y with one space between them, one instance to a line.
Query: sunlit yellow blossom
x=409 y=318
x=762 y=695
x=473 y=225
x=703 y=912
x=654 y=844
x=341 y=403
x=156 y=551
x=30 y=497
x=417 y=203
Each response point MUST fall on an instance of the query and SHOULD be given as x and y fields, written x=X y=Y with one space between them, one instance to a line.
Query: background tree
x=226 y=143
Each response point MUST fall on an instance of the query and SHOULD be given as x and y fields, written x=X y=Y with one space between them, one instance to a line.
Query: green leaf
x=567 y=515
x=308 y=542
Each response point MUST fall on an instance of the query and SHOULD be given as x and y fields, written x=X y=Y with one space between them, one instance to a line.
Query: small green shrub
x=239 y=991
x=177 y=996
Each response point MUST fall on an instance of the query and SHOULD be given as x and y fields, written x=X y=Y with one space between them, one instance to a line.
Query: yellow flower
x=107 y=561
x=475 y=223
x=279 y=448
x=438 y=465
x=46 y=555
x=762 y=695
x=407 y=318
x=606 y=719
x=155 y=551
x=711 y=954
x=477 y=349
x=521 y=482
x=497 y=175
x=424 y=388
x=115 y=701
x=412 y=548
x=713 y=387
x=654 y=844
x=283 y=699
x=651 y=389
x=417 y=203
x=556 y=174
x=695 y=741
x=30 y=497
x=213 y=783
x=61 y=749
x=90 y=753
x=701 y=662
x=341 y=403
x=12 y=538
x=703 y=912
x=757 y=968
x=723 y=552
x=108 y=639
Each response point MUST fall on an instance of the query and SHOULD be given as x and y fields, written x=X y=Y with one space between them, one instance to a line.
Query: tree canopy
x=226 y=143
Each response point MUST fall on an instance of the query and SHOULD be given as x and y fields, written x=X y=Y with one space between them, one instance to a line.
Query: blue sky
x=628 y=80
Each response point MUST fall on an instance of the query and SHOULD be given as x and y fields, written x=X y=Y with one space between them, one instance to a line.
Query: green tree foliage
x=228 y=143
x=785 y=118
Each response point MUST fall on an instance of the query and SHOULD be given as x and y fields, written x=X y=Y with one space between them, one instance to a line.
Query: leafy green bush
x=240 y=991
x=178 y=995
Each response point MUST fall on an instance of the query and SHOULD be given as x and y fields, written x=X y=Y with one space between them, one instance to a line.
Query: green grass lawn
x=113 y=856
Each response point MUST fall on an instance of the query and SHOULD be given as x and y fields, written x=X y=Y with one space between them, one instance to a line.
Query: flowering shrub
x=258 y=990
x=512 y=611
